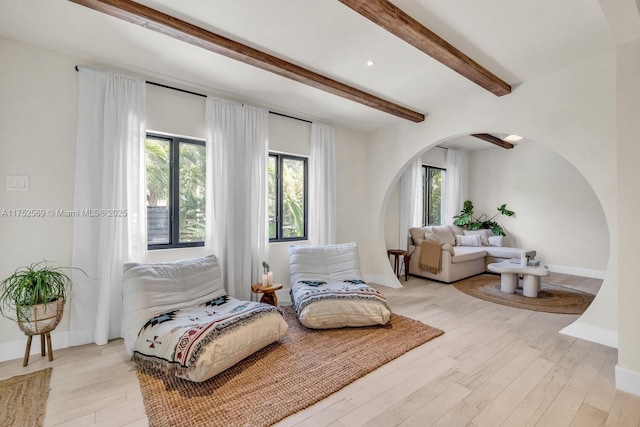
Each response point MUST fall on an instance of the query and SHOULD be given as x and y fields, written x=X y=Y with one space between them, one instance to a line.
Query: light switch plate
x=17 y=183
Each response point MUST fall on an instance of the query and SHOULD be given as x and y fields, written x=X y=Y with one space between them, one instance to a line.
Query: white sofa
x=460 y=261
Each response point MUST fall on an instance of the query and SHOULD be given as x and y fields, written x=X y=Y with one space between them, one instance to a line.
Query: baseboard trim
x=15 y=349
x=284 y=295
x=591 y=333
x=383 y=280
x=577 y=271
x=627 y=381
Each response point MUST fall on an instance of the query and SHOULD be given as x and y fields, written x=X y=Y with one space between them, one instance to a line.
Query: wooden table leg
x=26 y=352
x=269 y=297
x=49 y=347
x=43 y=338
x=406 y=267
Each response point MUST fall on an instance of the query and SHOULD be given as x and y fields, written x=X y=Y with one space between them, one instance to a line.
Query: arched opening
x=557 y=210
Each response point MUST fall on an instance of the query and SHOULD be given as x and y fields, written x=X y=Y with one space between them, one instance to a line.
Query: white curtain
x=237 y=144
x=454 y=184
x=410 y=201
x=110 y=228
x=322 y=185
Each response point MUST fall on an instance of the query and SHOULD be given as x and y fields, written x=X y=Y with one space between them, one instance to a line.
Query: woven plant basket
x=41 y=318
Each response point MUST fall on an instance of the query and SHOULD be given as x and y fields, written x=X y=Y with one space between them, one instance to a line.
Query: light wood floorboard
x=494 y=366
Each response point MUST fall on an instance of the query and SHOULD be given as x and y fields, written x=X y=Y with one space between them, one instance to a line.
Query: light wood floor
x=494 y=366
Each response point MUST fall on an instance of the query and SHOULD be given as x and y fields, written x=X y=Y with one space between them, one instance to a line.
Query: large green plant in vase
x=34 y=297
x=465 y=219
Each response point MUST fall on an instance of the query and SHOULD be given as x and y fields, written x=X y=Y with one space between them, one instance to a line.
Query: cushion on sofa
x=496 y=240
x=484 y=235
x=442 y=233
x=473 y=240
x=467 y=253
x=456 y=229
x=417 y=234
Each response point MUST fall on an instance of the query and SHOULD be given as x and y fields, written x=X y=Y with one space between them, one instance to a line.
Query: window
x=432 y=182
x=287 y=197
x=176 y=203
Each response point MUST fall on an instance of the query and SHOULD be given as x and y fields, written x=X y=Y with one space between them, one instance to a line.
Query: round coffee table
x=509 y=277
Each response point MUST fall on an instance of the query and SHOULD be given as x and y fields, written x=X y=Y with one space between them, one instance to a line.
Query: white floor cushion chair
x=328 y=290
x=179 y=319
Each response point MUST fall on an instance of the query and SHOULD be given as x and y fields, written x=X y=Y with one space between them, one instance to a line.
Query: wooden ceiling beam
x=396 y=21
x=494 y=140
x=165 y=24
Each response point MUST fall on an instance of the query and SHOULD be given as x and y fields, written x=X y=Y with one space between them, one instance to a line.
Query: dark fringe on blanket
x=152 y=364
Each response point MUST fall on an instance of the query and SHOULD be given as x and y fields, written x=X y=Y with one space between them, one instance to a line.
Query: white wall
x=557 y=212
x=628 y=369
x=38 y=108
x=572 y=111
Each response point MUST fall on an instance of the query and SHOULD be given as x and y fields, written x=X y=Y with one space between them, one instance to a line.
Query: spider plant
x=28 y=286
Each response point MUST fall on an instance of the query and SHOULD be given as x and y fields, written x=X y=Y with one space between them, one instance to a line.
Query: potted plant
x=466 y=219
x=34 y=296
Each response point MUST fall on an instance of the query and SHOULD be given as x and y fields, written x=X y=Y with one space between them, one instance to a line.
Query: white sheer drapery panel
x=237 y=147
x=410 y=201
x=454 y=184
x=322 y=185
x=110 y=229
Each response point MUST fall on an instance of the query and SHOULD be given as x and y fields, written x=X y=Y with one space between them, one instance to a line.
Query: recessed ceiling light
x=512 y=138
x=371 y=63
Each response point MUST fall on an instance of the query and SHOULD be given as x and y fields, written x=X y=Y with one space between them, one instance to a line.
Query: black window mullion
x=174 y=192
x=279 y=198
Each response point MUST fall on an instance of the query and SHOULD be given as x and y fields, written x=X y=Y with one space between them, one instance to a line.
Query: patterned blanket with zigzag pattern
x=175 y=339
x=305 y=292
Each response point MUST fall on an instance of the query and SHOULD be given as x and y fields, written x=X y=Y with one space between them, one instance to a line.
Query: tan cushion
x=417 y=234
x=443 y=234
x=456 y=230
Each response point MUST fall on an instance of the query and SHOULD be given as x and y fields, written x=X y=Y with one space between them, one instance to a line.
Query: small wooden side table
x=397 y=253
x=269 y=292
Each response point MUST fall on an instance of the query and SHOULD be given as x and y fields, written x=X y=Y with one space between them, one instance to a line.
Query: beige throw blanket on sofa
x=431 y=256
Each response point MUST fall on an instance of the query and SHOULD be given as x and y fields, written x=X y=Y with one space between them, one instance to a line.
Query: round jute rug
x=552 y=298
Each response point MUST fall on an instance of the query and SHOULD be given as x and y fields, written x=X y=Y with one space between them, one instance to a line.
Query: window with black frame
x=433 y=180
x=175 y=187
x=287 y=197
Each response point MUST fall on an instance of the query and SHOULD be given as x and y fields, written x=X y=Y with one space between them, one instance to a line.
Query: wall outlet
x=17 y=183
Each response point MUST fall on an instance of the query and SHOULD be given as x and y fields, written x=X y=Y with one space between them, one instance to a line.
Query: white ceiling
x=516 y=40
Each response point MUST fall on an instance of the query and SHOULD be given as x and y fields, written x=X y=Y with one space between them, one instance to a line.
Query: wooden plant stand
x=45 y=336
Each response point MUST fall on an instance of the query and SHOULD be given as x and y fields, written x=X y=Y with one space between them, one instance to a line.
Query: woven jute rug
x=552 y=298
x=283 y=378
x=23 y=399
